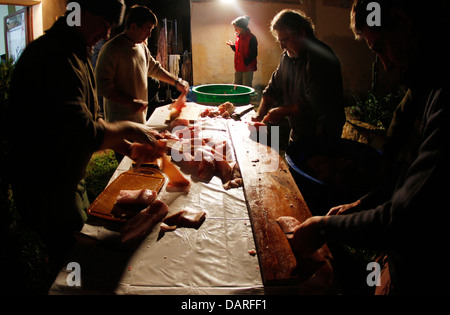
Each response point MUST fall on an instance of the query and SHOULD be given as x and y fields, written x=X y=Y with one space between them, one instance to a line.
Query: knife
x=238 y=116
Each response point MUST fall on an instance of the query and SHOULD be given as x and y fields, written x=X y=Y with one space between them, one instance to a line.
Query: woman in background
x=245 y=52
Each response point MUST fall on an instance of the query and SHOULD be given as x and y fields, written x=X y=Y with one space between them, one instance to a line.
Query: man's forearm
x=264 y=106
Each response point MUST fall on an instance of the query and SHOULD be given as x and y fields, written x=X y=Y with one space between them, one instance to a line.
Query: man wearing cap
x=54 y=126
x=245 y=51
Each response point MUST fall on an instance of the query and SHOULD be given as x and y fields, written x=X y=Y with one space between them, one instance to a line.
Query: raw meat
x=131 y=202
x=177 y=182
x=177 y=106
x=226 y=107
x=126 y=211
x=306 y=267
x=145 y=153
x=179 y=103
x=255 y=125
x=224 y=110
x=179 y=122
x=288 y=225
x=186 y=218
x=136 y=197
x=236 y=178
x=137 y=228
x=191 y=219
x=224 y=170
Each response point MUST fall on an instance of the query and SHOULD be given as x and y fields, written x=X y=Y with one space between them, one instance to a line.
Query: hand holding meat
x=307 y=238
x=182 y=87
x=120 y=135
x=144 y=153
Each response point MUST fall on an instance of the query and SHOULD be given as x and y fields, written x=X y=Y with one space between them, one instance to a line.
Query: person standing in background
x=245 y=52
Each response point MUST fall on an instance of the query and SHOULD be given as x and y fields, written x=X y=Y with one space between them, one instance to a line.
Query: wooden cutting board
x=271 y=192
x=104 y=203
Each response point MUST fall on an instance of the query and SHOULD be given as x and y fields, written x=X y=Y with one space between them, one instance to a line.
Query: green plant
x=375 y=109
x=6 y=69
x=98 y=172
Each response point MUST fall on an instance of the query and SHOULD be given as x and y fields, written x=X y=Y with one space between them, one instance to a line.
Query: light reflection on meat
x=200 y=155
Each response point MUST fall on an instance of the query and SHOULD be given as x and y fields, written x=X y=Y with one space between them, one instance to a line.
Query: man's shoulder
x=117 y=42
x=320 y=55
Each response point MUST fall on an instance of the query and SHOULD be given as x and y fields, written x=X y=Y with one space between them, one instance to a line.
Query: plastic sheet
x=211 y=260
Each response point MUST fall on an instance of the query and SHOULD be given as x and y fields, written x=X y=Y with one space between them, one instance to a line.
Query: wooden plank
x=271 y=192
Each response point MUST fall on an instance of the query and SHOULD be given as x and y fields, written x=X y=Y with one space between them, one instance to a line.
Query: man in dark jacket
x=307 y=85
x=410 y=223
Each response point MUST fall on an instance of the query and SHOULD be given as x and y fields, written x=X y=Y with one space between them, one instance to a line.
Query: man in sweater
x=410 y=222
x=123 y=68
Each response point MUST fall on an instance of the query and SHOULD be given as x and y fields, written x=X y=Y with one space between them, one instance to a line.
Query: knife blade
x=238 y=116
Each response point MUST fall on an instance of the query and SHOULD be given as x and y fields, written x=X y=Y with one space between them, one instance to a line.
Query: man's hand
x=183 y=87
x=308 y=238
x=119 y=135
x=344 y=209
x=274 y=116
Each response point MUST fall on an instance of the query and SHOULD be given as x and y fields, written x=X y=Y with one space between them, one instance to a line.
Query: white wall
x=37 y=23
x=213 y=59
x=3 y=13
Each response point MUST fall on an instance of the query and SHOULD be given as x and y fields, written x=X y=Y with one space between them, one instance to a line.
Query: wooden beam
x=22 y=2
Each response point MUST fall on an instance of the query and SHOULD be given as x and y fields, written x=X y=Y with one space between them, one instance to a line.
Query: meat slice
x=137 y=228
x=223 y=110
x=224 y=171
x=136 y=197
x=226 y=107
x=179 y=122
x=177 y=182
x=131 y=202
x=192 y=219
x=177 y=106
x=179 y=103
x=288 y=225
x=145 y=153
x=306 y=267
x=186 y=218
x=236 y=178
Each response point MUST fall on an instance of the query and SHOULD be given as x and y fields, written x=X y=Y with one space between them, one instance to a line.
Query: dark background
x=172 y=10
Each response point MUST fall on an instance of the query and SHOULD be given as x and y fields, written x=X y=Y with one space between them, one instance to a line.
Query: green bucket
x=216 y=94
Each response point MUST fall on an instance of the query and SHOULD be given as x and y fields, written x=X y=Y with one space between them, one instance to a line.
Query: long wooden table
x=269 y=192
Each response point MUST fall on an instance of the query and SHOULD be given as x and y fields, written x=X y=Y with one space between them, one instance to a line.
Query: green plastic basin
x=216 y=94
